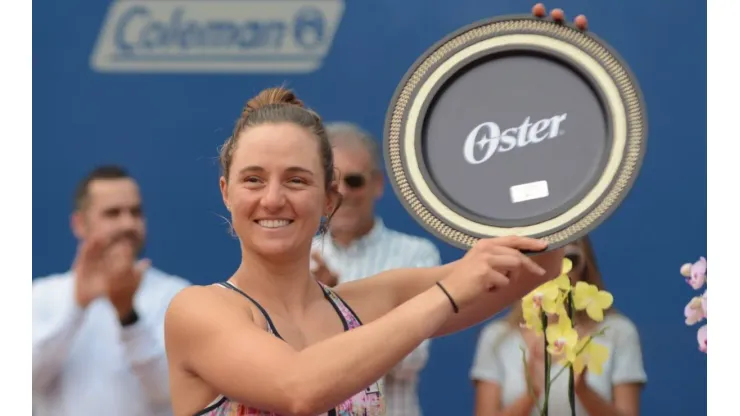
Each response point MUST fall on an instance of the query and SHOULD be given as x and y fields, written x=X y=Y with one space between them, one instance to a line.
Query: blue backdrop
x=148 y=85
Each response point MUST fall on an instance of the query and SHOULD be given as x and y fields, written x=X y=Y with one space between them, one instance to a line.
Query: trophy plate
x=515 y=126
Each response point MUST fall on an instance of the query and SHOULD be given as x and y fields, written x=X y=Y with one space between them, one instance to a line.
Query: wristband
x=130 y=319
x=452 y=301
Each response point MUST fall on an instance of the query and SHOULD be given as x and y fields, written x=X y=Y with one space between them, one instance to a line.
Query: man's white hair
x=346 y=133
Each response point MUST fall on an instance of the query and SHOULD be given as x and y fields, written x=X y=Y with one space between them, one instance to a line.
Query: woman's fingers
x=497 y=279
x=539 y=10
x=558 y=15
x=508 y=249
x=513 y=241
x=514 y=263
x=581 y=22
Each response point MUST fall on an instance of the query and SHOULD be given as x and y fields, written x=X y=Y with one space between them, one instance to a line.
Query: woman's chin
x=275 y=248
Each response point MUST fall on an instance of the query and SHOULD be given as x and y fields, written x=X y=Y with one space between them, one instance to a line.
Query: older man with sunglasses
x=358 y=245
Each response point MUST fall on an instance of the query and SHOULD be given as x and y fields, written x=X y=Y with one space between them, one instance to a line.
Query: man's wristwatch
x=130 y=319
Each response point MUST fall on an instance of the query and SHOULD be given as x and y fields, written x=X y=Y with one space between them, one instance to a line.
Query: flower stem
x=545 y=411
x=530 y=386
x=571 y=380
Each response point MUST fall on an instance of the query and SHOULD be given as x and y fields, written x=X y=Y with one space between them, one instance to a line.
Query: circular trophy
x=515 y=126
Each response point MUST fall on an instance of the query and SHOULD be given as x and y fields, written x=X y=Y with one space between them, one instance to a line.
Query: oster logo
x=210 y=36
x=489 y=138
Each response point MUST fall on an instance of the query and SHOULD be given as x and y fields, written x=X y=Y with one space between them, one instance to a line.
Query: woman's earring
x=323 y=224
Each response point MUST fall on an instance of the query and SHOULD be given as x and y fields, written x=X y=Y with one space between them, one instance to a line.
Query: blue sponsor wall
x=156 y=86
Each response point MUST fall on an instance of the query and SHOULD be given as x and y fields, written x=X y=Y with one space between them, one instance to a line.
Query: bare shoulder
x=196 y=310
x=191 y=295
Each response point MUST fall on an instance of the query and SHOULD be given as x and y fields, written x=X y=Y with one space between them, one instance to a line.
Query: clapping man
x=98 y=331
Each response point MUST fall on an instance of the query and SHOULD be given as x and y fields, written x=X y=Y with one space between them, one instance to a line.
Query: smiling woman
x=272 y=340
x=277 y=127
x=269 y=202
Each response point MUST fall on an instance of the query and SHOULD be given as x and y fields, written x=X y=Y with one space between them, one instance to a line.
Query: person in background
x=359 y=245
x=500 y=379
x=98 y=336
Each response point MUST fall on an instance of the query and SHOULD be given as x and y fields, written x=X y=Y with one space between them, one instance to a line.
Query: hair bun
x=272 y=96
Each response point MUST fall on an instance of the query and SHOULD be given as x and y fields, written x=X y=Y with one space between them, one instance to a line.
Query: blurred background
x=164 y=110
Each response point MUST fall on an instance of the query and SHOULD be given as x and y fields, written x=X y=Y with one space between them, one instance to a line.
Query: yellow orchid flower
x=548 y=295
x=562 y=282
x=567 y=266
x=560 y=310
x=591 y=355
x=593 y=300
x=562 y=339
x=532 y=318
x=563 y=342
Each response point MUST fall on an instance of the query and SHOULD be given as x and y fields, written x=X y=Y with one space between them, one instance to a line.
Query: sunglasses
x=354 y=180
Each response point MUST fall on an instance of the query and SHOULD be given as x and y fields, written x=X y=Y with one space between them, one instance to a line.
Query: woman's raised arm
x=243 y=362
x=375 y=296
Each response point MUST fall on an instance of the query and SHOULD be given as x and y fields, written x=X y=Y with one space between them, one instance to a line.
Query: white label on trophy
x=529 y=191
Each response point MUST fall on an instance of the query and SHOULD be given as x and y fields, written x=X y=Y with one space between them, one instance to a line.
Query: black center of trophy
x=523 y=148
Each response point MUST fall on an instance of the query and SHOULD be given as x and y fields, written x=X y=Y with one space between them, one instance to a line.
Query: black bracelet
x=130 y=319
x=452 y=301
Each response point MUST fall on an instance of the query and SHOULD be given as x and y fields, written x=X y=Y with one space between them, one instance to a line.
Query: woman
x=500 y=380
x=272 y=340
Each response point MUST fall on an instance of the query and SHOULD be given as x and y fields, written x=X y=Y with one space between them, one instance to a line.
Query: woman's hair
x=280 y=105
x=589 y=274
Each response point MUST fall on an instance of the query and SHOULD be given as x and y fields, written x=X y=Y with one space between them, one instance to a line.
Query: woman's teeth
x=273 y=223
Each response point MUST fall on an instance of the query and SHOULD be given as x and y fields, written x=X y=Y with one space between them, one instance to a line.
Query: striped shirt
x=380 y=250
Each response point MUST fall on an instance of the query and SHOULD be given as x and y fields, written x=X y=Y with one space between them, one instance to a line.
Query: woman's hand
x=579 y=381
x=492 y=263
x=558 y=15
x=536 y=366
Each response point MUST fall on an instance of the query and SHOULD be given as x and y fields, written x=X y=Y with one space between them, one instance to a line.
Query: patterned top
x=369 y=402
x=380 y=250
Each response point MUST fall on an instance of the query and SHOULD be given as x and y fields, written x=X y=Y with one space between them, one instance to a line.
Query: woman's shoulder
x=495 y=331
x=618 y=320
x=206 y=304
x=617 y=325
x=196 y=295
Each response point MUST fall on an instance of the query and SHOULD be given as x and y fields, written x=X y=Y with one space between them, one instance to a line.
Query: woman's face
x=577 y=256
x=275 y=190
